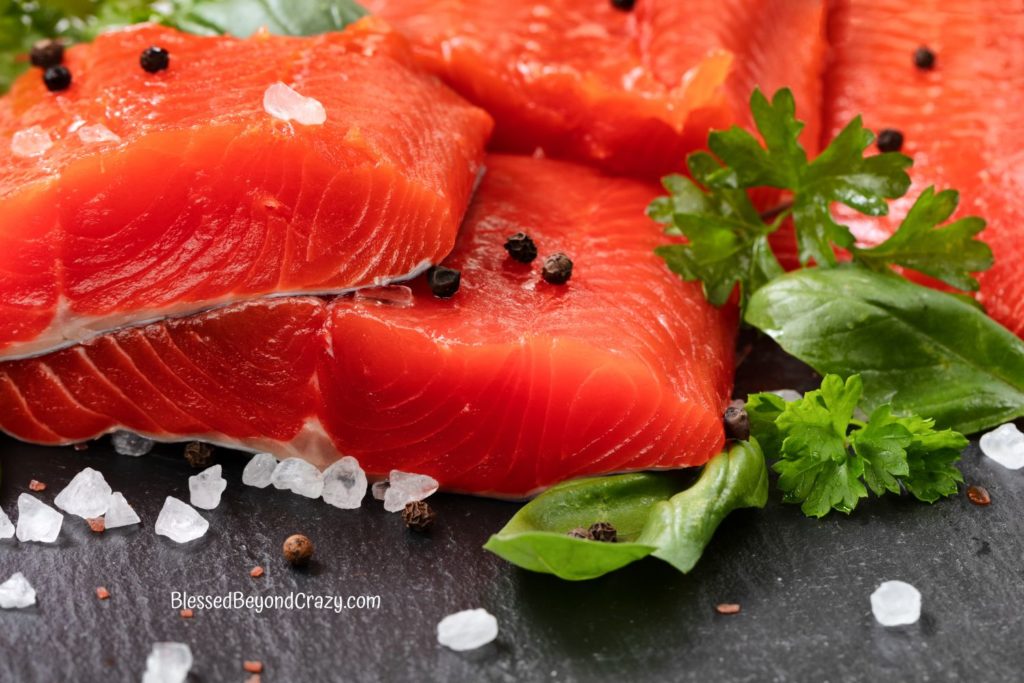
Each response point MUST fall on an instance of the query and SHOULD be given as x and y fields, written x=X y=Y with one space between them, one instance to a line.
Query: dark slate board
x=803 y=585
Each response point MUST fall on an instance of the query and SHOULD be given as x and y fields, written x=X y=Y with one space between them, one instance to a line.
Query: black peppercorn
x=557 y=269
x=890 y=140
x=418 y=516
x=47 y=53
x=155 y=59
x=578 y=532
x=924 y=58
x=520 y=247
x=624 y=5
x=603 y=532
x=737 y=422
x=297 y=550
x=57 y=78
x=199 y=454
x=444 y=282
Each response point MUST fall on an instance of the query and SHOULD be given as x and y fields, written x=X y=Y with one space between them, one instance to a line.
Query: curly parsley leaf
x=829 y=460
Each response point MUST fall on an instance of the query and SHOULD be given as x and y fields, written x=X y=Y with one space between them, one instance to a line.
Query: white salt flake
x=96 y=134
x=31 y=142
x=467 y=630
x=127 y=443
x=87 y=496
x=16 y=592
x=282 y=102
x=6 y=527
x=180 y=522
x=259 y=471
x=119 y=513
x=344 y=484
x=379 y=489
x=896 y=603
x=404 y=488
x=1005 y=445
x=168 y=663
x=37 y=521
x=206 y=487
x=298 y=476
x=788 y=395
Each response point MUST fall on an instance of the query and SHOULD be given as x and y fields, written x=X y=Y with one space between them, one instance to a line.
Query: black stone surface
x=803 y=586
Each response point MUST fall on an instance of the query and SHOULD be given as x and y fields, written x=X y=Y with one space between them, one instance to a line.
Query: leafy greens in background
x=829 y=460
x=23 y=23
x=652 y=516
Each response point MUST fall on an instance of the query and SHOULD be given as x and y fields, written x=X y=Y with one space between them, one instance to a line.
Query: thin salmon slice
x=632 y=92
x=192 y=195
x=961 y=121
x=510 y=386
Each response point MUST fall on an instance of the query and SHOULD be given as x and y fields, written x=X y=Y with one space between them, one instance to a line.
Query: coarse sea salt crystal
x=283 y=102
x=788 y=395
x=1005 y=445
x=119 y=513
x=96 y=134
x=168 y=663
x=31 y=142
x=206 y=488
x=344 y=484
x=404 y=488
x=467 y=630
x=180 y=522
x=16 y=592
x=6 y=527
x=126 y=443
x=259 y=470
x=37 y=521
x=896 y=603
x=87 y=495
x=298 y=476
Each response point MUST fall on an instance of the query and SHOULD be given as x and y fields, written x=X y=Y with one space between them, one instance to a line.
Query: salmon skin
x=960 y=120
x=510 y=386
x=632 y=92
x=191 y=195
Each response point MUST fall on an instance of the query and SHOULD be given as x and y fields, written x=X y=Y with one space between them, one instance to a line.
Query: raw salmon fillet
x=632 y=92
x=203 y=198
x=512 y=385
x=962 y=122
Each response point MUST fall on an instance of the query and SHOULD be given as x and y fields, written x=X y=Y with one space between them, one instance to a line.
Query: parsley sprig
x=727 y=238
x=829 y=459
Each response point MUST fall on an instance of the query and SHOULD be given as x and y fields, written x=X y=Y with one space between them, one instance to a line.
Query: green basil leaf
x=924 y=351
x=285 y=17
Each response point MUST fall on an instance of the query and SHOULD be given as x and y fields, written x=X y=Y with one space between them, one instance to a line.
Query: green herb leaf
x=285 y=17
x=648 y=511
x=883 y=446
x=932 y=456
x=949 y=253
x=924 y=351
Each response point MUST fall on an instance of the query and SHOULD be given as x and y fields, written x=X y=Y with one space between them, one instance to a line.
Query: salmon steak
x=954 y=141
x=509 y=386
x=632 y=91
x=248 y=168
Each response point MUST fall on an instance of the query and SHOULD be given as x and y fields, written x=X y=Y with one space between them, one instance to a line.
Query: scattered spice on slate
x=57 y=78
x=252 y=666
x=199 y=454
x=47 y=53
x=297 y=550
x=521 y=248
x=924 y=58
x=418 y=516
x=102 y=593
x=604 y=532
x=36 y=485
x=624 y=5
x=557 y=269
x=578 y=532
x=81 y=446
x=155 y=59
x=978 y=495
x=255 y=678
x=890 y=140
x=737 y=422
x=444 y=282
x=256 y=572
x=186 y=614
x=97 y=524
x=727 y=608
